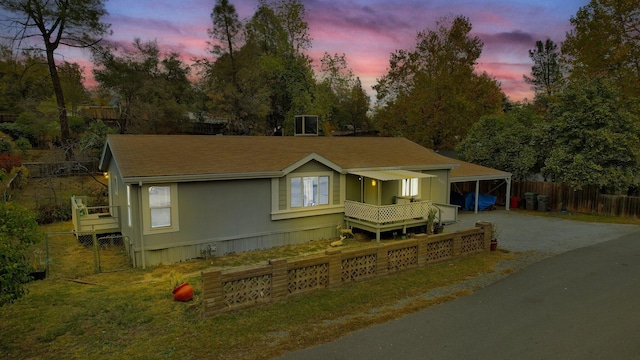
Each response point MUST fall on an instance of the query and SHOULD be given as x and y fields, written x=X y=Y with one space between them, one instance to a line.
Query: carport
x=468 y=172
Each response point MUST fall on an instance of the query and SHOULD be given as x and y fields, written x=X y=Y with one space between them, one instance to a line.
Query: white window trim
x=417 y=195
x=129 y=215
x=328 y=174
x=299 y=212
x=146 y=211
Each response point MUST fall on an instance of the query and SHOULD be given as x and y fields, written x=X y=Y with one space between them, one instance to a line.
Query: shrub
x=5 y=147
x=8 y=161
x=51 y=212
x=18 y=231
x=24 y=145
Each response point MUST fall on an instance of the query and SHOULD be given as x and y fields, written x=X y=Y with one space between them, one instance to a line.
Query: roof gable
x=188 y=156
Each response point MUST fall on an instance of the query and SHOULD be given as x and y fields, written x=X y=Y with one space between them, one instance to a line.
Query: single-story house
x=179 y=197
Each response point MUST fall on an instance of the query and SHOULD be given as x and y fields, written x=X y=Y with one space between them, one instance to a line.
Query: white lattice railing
x=387 y=213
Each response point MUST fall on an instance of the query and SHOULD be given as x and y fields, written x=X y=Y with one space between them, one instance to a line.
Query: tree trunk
x=62 y=110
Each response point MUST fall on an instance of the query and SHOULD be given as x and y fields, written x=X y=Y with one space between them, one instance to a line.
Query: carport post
x=507 y=205
x=477 y=195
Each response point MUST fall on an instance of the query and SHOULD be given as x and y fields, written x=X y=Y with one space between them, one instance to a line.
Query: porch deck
x=377 y=219
x=98 y=219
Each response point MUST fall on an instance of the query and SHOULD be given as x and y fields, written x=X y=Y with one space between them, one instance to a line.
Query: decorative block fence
x=225 y=291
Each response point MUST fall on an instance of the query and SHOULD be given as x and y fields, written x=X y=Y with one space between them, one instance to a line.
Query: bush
x=18 y=231
x=24 y=145
x=50 y=213
x=5 y=147
x=8 y=161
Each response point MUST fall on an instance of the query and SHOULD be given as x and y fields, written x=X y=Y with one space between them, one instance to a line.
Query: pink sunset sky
x=367 y=32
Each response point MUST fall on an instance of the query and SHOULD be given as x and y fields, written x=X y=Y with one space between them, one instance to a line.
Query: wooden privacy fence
x=588 y=199
x=225 y=291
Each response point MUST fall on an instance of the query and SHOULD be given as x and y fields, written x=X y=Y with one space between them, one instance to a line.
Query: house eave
x=200 y=177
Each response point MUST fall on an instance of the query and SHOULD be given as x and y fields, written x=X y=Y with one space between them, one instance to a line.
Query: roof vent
x=306 y=125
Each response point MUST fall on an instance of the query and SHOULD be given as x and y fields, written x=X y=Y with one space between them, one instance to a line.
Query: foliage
x=18 y=231
x=605 y=41
x=53 y=212
x=340 y=100
x=261 y=79
x=5 y=147
x=152 y=88
x=64 y=22
x=547 y=74
x=431 y=94
x=505 y=142
x=8 y=161
x=24 y=81
x=94 y=138
x=594 y=136
x=23 y=145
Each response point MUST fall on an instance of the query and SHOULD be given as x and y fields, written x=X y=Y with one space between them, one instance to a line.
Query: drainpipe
x=140 y=227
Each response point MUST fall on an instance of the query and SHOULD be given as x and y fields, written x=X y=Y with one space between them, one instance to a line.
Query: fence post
x=335 y=267
x=212 y=294
x=382 y=261
x=487 y=229
x=96 y=253
x=279 y=279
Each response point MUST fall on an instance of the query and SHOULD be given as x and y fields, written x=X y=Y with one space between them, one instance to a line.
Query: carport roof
x=471 y=172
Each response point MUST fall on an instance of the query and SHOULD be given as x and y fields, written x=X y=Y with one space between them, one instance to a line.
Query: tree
x=605 y=41
x=23 y=81
x=546 y=73
x=278 y=34
x=225 y=35
x=505 y=142
x=18 y=231
x=594 y=137
x=431 y=94
x=74 y=23
x=152 y=89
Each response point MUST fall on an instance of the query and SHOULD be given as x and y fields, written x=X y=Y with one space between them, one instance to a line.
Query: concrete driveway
x=579 y=304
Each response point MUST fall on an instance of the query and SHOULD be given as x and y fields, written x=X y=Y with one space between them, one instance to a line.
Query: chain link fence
x=70 y=255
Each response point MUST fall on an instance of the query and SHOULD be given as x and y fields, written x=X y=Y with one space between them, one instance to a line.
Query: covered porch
x=386 y=204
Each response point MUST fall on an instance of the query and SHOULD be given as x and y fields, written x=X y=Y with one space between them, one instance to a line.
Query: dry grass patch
x=131 y=314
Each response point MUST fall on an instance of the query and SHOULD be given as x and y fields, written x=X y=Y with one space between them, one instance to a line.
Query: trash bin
x=530 y=198
x=543 y=203
x=515 y=201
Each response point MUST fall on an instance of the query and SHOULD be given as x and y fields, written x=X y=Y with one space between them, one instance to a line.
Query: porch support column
x=477 y=195
x=508 y=199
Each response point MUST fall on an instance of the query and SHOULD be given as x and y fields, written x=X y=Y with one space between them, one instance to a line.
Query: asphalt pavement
x=579 y=303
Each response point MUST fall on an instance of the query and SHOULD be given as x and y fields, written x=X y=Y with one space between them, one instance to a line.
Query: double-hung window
x=161 y=208
x=409 y=187
x=307 y=191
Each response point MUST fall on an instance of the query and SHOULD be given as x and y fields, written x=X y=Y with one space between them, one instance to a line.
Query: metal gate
x=110 y=251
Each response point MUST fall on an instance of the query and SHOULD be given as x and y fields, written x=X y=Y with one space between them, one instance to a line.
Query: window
x=309 y=191
x=160 y=206
x=409 y=187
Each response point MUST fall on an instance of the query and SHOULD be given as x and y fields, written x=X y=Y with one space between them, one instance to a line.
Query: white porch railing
x=387 y=213
x=101 y=219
